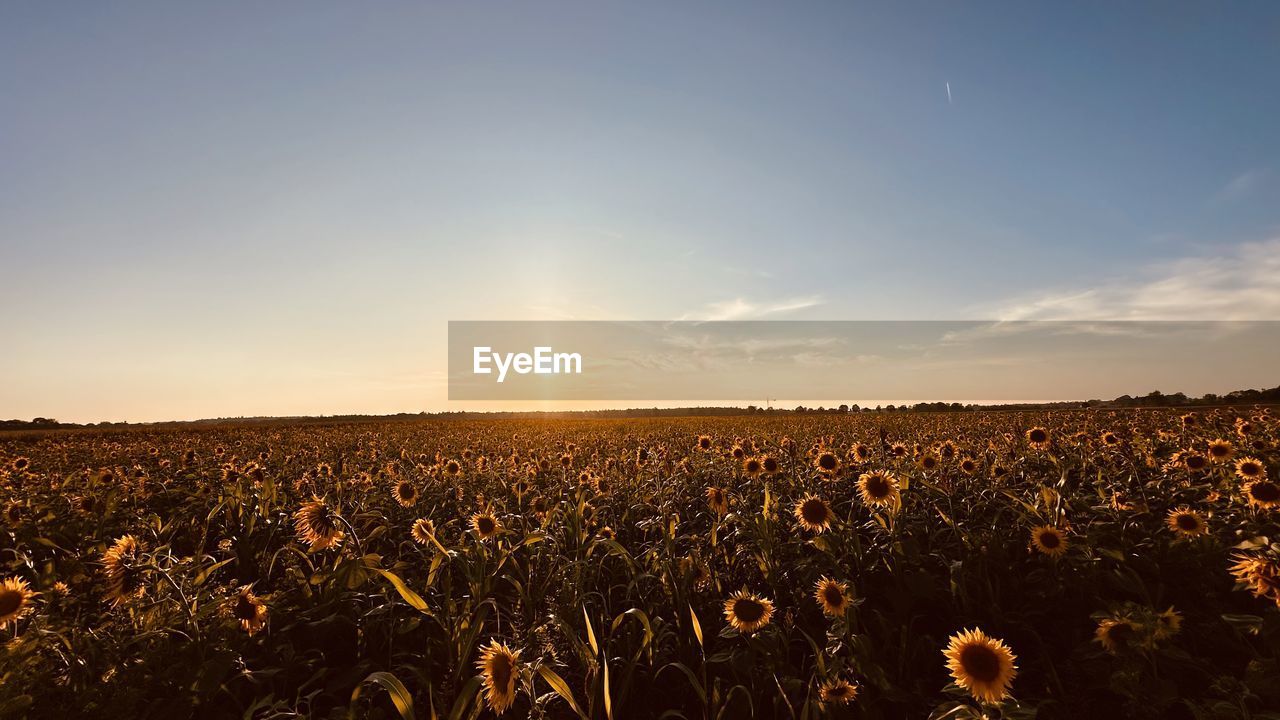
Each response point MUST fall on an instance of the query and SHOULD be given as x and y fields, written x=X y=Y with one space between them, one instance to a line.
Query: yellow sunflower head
x=837 y=691
x=499 y=669
x=980 y=664
x=1186 y=522
x=747 y=612
x=317 y=524
x=878 y=489
x=485 y=525
x=813 y=513
x=833 y=596
x=15 y=601
x=1049 y=541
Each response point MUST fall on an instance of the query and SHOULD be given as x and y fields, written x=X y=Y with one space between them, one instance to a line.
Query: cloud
x=1241 y=186
x=1242 y=283
x=743 y=309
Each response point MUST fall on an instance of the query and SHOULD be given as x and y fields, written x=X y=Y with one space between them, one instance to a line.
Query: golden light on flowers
x=499 y=669
x=248 y=610
x=752 y=467
x=122 y=570
x=485 y=525
x=981 y=664
x=770 y=465
x=1187 y=522
x=1263 y=493
x=15 y=600
x=704 y=442
x=1194 y=461
x=833 y=596
x=422 y=531
x=1049 y=541
x=20 y=464
x=837 y=692
x=878 y=488
x=1248 y=468
x=813 y=513
x=1221 y=450
x=1116 y=634
x=1261 y=575
x=318 y=525
x=747 y=612
x=406 y=493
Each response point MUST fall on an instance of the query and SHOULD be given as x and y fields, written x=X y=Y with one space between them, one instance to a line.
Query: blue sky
x=242 y=208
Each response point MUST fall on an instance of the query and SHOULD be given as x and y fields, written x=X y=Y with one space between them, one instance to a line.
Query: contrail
x=948 y=92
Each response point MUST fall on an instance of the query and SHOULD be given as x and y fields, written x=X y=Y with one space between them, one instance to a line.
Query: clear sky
x=224 y=209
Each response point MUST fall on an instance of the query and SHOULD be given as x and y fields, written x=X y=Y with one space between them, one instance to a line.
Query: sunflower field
x=1066 y=564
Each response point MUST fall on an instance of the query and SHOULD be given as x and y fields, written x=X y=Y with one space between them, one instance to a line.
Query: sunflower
x=1187 y=522
x=826 y=462
x=718 y=500
x=927 y=462
x=813 y=513
x=249 y=610
x=452 y=468
x=1038 y=437
x=981 y=664
x=20 y=464
x=15 y=600
x=837 y=692
x=422 y=531
x=747 y=612
x=1049 y=541
x=485 y=525
x=1248 y=468
x=499 y=667
x=1168 y=623
x=1263 y=493
x=1117 y=633
x=1221 y=450
x=1194 y=461
x=1259 y=574
x=318 y=525
x=968 y=466
x=704 y=442
x=122 y=570
x=878 y=488
x=833 y=596
x=406 y=493
x=770 y=465
x=1110 y=439
x=752 y=467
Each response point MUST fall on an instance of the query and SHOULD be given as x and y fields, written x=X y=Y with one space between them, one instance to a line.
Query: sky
x=237 y=209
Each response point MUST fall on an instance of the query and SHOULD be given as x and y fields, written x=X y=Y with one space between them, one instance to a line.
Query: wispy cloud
x=1242 y=283
x=1241 y=186
x=743 y=309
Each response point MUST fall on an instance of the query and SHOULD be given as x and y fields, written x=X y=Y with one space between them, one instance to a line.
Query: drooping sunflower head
x=318 y=525
x=1187 y=522
x=248 y=610
x=499 y=669
x=422 y=531
x=1260 y=574
x=981 y=664
x=1263 y=493
x=718 y=499
x=747 y=612
x=1117 y=633
x=16 y=601
x=833 y=596
x=1049 y=541
x=485 y=525
x=406 y=493
x=1194 y=461
x=878 y=488
x=123 y=571
x=837 y=692
x=1248 y=468
x=813 y=513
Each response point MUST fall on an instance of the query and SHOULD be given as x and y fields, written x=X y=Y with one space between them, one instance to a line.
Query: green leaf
x=561 y=687
x=411 y=597
x=400 y=696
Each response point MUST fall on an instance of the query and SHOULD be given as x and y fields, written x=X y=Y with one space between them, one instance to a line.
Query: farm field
x=1063 y=564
